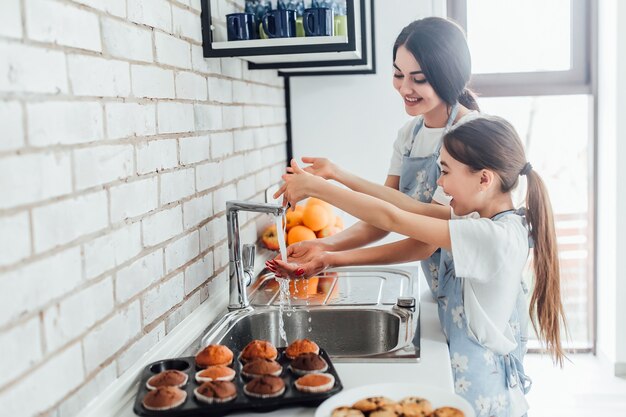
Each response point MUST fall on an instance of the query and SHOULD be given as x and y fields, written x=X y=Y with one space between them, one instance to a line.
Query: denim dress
x=418 y=179
x=487 y=380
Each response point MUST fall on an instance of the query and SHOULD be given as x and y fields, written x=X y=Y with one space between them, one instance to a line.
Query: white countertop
x=433 y=369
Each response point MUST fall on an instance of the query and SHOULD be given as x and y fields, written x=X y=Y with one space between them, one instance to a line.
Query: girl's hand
x=298 y=185
x=321 y=167
x=304 y=259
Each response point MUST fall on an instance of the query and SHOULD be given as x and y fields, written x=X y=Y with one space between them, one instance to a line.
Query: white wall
x=119 y=144
x=353 y=120
x=612 y=185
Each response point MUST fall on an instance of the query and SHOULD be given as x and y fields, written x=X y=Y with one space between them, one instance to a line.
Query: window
x=532 y=65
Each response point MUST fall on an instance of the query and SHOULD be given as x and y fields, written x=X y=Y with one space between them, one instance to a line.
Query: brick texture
x=121 y=145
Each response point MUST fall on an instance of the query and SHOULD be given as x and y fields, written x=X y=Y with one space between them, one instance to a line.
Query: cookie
x=384 y=413
x=447 y=412
x=415 y=407
x=346 y=412
x=372 y=403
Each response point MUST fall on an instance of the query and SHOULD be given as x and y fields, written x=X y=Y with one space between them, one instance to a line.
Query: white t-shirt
x=490 y=255
x=426 y=142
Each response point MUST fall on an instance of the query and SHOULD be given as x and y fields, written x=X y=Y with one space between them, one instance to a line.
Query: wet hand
x=298 y=185
x=321 y=167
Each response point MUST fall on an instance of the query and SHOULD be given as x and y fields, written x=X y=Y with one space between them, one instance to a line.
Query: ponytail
x=546 y=310
x=468 y=99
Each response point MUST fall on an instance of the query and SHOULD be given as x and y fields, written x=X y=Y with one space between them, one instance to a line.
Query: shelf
x=263 y=43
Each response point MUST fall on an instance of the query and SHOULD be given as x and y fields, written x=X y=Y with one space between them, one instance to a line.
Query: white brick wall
x=133 y=199
x=59 y=23
x=120 y=145
x=32 y=177
x=57 y=122
x=138 y=276
x=15 y=238
x=175 y=117
x=123 y=40
x=91 y=76
x=102 y=164
x=107 y=338
x=130 y=119
x=69 y=318
x=156 y=155
x=11 y=120
x=20 y=69
x=10 y=19
x=152 y=82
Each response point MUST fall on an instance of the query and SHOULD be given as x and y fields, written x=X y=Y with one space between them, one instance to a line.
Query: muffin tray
x=193 y=407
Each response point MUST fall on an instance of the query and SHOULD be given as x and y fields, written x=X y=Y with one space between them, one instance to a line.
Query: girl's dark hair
x=492 y=143
x=440 y=47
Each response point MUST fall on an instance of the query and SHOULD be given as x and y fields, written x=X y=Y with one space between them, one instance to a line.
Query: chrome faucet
x=241 y=267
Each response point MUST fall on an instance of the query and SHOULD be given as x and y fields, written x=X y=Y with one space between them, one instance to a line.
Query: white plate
x=437 y=397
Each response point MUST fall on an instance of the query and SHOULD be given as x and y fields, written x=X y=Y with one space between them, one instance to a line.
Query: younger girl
x=482 y=258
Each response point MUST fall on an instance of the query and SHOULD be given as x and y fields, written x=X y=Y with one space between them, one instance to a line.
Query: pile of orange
x=316 y=219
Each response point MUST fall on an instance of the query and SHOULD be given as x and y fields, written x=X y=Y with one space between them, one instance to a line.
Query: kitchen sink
x=353 y=313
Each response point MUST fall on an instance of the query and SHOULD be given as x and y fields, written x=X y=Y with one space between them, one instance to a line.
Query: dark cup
x=280 y=24
x=318 y=21
x=240 y=26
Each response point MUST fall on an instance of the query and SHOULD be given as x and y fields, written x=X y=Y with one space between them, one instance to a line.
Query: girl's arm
x=306 y=263
x=378 y=213
x=324 y=168
x=393 y=196
x=406 y=250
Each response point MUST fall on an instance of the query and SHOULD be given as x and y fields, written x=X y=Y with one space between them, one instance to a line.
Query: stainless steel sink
x=365 y=323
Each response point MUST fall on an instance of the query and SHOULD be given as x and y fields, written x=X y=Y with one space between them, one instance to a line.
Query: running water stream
x=283 y=283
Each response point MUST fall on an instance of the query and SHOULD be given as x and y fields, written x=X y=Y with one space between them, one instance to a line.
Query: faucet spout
x=238 y=297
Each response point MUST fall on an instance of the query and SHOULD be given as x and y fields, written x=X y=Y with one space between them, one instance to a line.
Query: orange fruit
x=299 y=207
x=315 y=217
x=312 y=201
x=299 y=233
x=270 y=238
x=327 y=231
x=293 y=218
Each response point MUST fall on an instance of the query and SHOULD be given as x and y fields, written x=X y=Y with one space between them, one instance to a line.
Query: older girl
x=431 y=68
x=482 y=258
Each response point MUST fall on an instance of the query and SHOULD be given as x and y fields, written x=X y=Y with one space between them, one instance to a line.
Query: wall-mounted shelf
x=355 y=49
x=269 y=43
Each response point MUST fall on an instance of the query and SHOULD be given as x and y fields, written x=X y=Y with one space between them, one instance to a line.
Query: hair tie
x=526 y=169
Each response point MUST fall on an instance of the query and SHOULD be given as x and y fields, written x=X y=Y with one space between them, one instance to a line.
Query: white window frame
x=576 y=80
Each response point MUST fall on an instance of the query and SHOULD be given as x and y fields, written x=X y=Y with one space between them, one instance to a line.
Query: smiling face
x=418 y=95
x=464 y=186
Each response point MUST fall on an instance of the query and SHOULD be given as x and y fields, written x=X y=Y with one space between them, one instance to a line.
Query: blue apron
x=418 y=179
x=493 y=384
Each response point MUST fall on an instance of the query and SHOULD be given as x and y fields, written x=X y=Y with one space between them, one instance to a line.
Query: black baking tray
x=193 y=407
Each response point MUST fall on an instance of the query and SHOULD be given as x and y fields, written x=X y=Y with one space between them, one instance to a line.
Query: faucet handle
x=249 y=251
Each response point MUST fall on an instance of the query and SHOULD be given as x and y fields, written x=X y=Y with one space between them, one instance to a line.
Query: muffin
x=214 y=355
x=346 y=412
x=215 y=373
x=258 y=349
x=300 y=346
x=267 y=386
x=164 y=398
x=169 y=378
x=372 y=403
x=315 y=383
x=308 y=363
x=216 y=392
x=261 y=366
x=447 y=412
x=415 y=407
